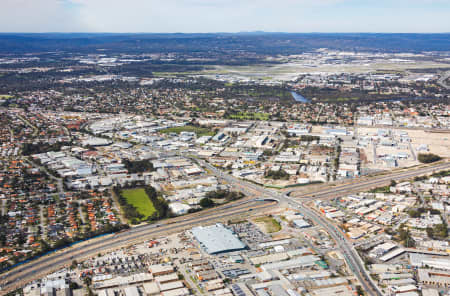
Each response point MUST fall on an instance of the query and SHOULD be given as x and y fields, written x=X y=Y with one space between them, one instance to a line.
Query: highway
x=361 y=184
x=443 y=78
x=350 y=254
x=37 y=268
x=44 y=265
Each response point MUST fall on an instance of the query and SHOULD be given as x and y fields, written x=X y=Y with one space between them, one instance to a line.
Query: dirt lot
x=438 y=143
x=267 y=224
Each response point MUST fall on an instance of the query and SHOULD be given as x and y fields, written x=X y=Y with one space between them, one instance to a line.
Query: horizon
x=224 y=32
x=224 y=147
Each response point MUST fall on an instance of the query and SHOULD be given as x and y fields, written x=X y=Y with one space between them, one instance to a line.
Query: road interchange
x=37 y=268
x=350 y=254
x=266 y=197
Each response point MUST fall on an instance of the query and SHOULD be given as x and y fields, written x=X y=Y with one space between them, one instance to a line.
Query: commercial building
x=430 y=292
x=301 y=223
x=434 y=277
x=301 y=262
x=216 y=239
x=422 y=260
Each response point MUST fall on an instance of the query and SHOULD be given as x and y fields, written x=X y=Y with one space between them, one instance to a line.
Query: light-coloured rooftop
x=217 y=239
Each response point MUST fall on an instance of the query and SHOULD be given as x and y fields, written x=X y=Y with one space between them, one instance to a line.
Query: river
x=299 y=98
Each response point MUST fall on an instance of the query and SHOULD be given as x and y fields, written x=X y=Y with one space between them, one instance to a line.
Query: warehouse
x=423 y=260
x=216 y=239
x=434 y=277
x=300 y=262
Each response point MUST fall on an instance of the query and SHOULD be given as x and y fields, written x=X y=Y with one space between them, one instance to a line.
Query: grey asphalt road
x=350 y=254
x=39 y=267
x=35 y=269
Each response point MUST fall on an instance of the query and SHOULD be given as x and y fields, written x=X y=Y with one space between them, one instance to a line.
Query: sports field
x=140 y=200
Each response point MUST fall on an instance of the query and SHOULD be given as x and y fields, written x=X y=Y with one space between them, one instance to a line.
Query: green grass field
x=139 y=199
x=200 y=131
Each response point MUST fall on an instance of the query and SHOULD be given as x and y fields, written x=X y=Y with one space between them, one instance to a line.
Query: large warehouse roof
x=217 y=239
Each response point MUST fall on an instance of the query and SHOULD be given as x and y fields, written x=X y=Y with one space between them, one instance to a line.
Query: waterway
x=299 y=98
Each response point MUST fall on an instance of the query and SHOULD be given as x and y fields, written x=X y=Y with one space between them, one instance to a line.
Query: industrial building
x=216 y=239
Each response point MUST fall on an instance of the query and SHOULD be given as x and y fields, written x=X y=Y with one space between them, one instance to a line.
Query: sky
x=201 y=16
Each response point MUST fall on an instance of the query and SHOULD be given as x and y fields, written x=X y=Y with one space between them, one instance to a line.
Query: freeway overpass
x=36 y=269
x=267 y=199
x=443 y=78
x=367 y=183
x=350 y=254
x=297 y=201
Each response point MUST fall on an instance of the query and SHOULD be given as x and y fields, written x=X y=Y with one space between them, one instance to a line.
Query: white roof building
x=217 y=239
x=179 y=208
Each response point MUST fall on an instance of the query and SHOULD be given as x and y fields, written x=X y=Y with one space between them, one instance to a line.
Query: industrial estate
x=159 y=170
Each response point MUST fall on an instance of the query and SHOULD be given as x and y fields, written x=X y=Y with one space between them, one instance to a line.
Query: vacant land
x=140 y=200
x=200 y=131
x=437 y=143
x=269 y=224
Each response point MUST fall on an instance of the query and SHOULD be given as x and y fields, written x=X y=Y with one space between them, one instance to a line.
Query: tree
x=206 y=203
x=428 y=157
x=359 y=291
x=74 y=264
x=405 y=236
x=277 y=175
x=30 y=148
x=309 y=138
x=416 y=213
x=138 y=166
x=73 y=286
x=441 y=230
x=268 y=152
x=225 y=194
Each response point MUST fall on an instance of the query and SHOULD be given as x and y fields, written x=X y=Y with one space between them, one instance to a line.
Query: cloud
x=224 y=15
x=37 y=16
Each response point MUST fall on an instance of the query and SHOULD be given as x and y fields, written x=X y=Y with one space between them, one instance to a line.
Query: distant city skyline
x=201 y=16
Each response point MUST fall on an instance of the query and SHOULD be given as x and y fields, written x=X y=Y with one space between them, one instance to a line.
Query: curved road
x=350 y=254
x=37 y=268
x=358 y=185
x=44 y=265
x=443 y=78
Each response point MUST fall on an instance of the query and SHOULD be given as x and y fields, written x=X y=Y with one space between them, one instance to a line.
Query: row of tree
x=208 y=200
x=439 y=231
x=416 y=213
x=138 y=166
x=277 y=175
x=428 y=157
x=225 y=194
x=31 y=148
x=160 y=204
